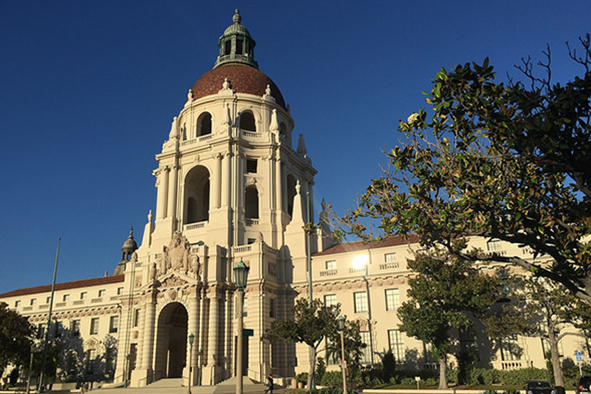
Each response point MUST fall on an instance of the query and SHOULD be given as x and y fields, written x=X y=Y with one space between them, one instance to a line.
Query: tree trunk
x=443 y=372
x=311 y=383
x=555 y=356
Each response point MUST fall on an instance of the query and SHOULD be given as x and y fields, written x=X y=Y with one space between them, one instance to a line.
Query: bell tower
x=230 y=187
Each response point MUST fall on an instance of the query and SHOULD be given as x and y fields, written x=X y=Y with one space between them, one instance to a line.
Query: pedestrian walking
x=269 y=384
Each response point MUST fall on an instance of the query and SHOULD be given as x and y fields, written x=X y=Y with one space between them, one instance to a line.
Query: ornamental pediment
x=177 y=265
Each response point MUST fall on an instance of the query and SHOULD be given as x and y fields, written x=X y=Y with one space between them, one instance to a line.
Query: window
x=250 y=241
x=114 y=324
x=392 y=299
x=204 y=124
x=366 y=351
x=510 y=349
x=17 y=303
x=396 y=345
x=48 y=299
x=75 y=327
x=331 y=265
x=101 y=293
x=251 y=204
x=330 y=300
x=360 y=302
x=136 y=317
x=546 y=347
x=494 y=245
x=119 y=290
x=33 y=301
x=66 y=297
x=94 y=326
x=90 y=357
x=245 y=307
x=41 y=331
x=332 y=358
x=247 y=121
x=83 y=295
x=251 y=166
x=389 y=257
x=272 y=307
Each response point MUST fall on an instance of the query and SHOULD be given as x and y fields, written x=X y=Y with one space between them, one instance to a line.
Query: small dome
x=242 y=78
x=129 y=245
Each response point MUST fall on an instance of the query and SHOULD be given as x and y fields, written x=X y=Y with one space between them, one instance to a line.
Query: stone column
x=217 y=181
x=212 y=354
x=149 y=327
x=278 y=186
x=162 y=185
x=226 y=179
x=172 y=189
x=193 y=328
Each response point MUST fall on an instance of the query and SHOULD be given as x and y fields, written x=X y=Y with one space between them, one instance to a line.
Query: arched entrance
x=171 y=342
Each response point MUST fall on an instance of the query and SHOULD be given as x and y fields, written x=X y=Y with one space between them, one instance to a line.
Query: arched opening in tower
x=171 y=341
x=247 y=121
x=197 y=195
x=251 y=206
x=204 y=124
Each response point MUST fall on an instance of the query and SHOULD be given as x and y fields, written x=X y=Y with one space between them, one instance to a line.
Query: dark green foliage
x=320 y=370
x=332 y=379
x=388 y=366
x=16 y=334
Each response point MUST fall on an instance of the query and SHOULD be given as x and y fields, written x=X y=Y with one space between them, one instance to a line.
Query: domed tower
x=230 y=187
x=129 y=246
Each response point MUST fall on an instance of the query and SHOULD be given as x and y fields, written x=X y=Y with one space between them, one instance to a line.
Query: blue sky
x=88 y=90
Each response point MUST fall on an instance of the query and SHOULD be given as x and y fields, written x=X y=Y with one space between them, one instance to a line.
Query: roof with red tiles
x=242 y=78
x=65 y=286
x=394 y=240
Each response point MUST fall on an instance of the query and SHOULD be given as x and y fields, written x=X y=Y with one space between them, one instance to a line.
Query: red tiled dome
x=242 y=79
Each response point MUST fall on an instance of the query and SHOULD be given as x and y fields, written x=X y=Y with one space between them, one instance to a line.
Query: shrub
x=332 y=379
x=302 y=377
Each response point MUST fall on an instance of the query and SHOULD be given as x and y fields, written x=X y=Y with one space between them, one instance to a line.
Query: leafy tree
x=353 y=346
x=311 y=324
x=547 y=309
x=443 y=294
x=16 y=334
x=509 y=162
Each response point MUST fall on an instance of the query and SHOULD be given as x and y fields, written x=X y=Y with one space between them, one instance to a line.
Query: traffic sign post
x=579 y=361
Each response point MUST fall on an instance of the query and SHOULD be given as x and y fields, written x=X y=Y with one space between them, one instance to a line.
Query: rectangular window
x=66 y=297
x=330 y=300
x=332 y=358
x=389 y=257
x=245 y=307
x=366 y=351
x=469 y=342
x=494 y=245
x=360 y=301
x=75 y=327
x=41 y=331
x=113 y=324
x=47 y=299
x=396 y=345
x=510 y=349
x=83 y=295
x=251 y=166
x=101 y=293
x=546 y=347
x=90 y=357
x=392 y=299
x=94 y=326
x=331 y=265
x=119 y=290
x=17 y=303
x=33 y=301
x=136 y=317
x=272 y=307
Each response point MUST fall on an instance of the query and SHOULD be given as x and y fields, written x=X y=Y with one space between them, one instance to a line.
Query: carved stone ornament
x=177 y=257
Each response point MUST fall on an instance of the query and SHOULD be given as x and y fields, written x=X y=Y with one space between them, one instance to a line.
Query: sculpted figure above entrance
x=177 y=257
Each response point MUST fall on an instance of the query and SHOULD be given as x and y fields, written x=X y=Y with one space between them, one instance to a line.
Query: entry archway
x=171 y=342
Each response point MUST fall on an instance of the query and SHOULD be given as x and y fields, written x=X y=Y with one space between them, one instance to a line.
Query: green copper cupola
x=236 y=45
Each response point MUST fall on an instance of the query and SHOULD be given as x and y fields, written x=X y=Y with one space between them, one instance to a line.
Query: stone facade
x=233 y=185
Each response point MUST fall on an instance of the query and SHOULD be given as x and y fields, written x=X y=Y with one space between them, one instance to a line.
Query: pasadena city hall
x=235 y=184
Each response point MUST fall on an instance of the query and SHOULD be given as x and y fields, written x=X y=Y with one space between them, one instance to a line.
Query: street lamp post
x=191 y=339
x=341 y=322
x=240 y=278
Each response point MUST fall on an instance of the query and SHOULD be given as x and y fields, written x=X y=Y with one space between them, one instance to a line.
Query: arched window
x=197 y=195
x=247 y=121
x=204 y=124
x=291 y=192
x=251 y=205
